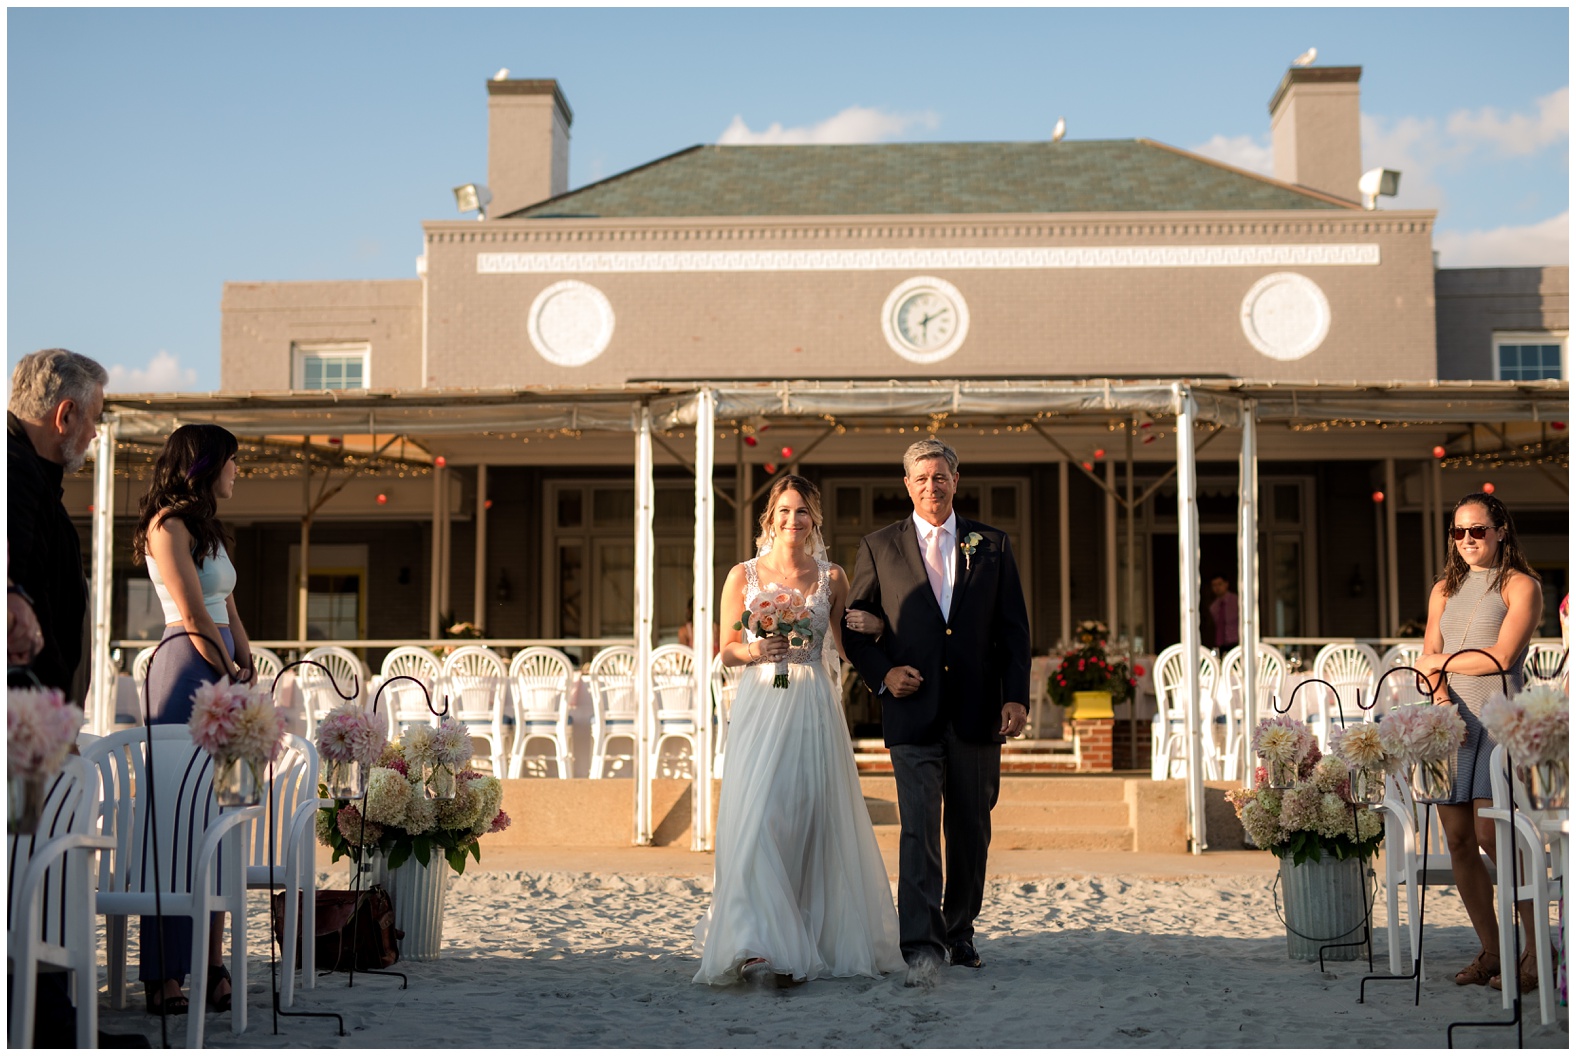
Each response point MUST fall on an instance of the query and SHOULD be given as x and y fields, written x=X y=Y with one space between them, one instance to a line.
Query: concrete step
x=1054 y=791
x=1036 y=838
x=1060 y=815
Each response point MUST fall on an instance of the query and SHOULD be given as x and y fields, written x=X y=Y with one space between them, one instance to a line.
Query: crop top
x=216 y=578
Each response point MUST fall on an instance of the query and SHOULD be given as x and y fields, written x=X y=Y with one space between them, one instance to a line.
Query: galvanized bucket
x=1324 y=903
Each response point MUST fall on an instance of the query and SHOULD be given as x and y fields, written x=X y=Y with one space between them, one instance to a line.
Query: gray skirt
x=1472 y=762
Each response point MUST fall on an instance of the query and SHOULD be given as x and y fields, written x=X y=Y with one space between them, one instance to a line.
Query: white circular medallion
x=1285 y=315
x=925 y=319
x=571 y=323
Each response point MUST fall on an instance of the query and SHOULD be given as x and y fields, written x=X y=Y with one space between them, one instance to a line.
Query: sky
x=153 y=155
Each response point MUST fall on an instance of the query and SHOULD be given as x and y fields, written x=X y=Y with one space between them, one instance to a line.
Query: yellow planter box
x=1091 y=704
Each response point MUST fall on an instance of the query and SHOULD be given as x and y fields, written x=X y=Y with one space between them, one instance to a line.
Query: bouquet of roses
x=778 y=610
x=40 y=728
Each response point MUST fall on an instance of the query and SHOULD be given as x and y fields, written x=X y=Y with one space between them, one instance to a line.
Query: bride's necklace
x=789 y=577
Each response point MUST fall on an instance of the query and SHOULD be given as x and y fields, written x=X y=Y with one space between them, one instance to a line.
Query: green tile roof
x=1092 y=176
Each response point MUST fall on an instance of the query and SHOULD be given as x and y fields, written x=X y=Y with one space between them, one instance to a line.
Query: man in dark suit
x=952 y=671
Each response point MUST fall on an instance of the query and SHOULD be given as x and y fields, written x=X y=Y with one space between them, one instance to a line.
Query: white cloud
x=163 y=373
x=857 y=124
x=1514 y=135
x=1543 y=244
x=1245 y=152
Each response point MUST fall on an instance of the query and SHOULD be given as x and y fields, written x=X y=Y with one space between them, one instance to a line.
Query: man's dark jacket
x=45 y=556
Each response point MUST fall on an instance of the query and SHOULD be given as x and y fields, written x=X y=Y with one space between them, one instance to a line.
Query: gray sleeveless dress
x=1471 y=621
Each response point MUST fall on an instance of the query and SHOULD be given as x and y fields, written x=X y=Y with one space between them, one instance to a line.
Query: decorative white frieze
x=1243 y=256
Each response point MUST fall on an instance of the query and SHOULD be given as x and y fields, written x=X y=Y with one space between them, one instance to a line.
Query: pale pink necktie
x=934 y=563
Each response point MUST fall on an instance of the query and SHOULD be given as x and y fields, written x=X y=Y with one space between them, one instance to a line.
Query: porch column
x=1187 y=566
x=705 y=602
x=1064 y=549
x=644 y=545
x=101 y=671
x=1392 y=573
x=1248 y=576
x=1426 y=517
x=435 y=579
x=306 y=542
x=1113 y=609
x=480 y=588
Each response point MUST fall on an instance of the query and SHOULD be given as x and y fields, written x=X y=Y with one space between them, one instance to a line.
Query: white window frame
x=300 y=352
x=1529 y=337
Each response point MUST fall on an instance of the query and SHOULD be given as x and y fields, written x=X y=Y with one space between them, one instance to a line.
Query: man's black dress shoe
x=965 y=956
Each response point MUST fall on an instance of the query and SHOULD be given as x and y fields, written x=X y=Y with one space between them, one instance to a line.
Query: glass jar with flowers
x=349 y=742
x=1534 y=726
x=1421 y=741
x=40 y=728
x=1091 y=677
x=241 y=729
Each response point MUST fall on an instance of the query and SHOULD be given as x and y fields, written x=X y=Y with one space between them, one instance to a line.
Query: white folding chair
x=1352 y=669
x=287 y=838
x=476 y=681
x=675 y=703
x=51 y=908
x=724 y=687
x=1168 y=729
x=200 y=863
x=401 y=704
x=540 y=680
x=1542 y=881
x=615 y=714
x=1398 y=689
x=1545 y=666
x=1268 y=678
x=318 y=695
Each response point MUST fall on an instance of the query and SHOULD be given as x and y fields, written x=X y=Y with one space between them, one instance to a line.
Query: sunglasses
x=1477 y=531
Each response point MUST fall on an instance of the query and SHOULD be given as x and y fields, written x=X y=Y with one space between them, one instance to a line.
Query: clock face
x=571 y=323
x=925 y=319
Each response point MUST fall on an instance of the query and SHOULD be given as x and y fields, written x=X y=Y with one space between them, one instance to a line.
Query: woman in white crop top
x=179 y=532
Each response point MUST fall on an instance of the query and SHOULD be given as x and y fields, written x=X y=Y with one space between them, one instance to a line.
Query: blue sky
x=155 y=154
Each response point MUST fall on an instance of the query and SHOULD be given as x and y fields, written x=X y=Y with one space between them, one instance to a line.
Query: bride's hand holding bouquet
x=780 y=620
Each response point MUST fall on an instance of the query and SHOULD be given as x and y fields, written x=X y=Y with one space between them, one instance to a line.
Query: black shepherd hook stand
x=355 y=930
x=273 y=912
x=1368 y=904
x=1507 y=972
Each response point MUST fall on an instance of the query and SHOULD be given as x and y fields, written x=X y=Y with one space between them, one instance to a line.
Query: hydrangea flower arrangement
x=40 y=728
x=1314 y=817
x=236 y=722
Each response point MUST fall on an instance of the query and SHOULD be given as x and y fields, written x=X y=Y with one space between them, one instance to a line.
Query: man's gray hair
x=925 y=450
x=45 y=378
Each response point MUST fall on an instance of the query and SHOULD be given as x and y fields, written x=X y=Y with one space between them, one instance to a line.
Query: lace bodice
x=819 y=603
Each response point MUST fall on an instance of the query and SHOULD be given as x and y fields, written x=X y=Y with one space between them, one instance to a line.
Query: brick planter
x=1092 y=743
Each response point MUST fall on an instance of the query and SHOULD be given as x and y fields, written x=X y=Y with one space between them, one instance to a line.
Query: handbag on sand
x=348 y=921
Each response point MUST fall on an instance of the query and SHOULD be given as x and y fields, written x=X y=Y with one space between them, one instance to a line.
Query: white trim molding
x=1365 y=254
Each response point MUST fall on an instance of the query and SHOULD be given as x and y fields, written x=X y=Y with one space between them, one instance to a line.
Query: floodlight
x=468 y=196
x=1375 y=182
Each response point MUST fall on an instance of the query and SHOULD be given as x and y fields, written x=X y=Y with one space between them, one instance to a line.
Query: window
x=1529 y=356
x=319 y=367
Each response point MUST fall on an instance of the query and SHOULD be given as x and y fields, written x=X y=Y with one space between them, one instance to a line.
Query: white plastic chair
x=1545 y=666
x=476 y=681
x=50 y=912
x=1542 y=881
x=139 y=673
x=1352 y=668
x=675 y=702
x=318 y=696
x=401 y=704
x=724 y=687
x=200 y=863
x=1268 y=679
x=289 y=827
x=267 y=665
x=615 y=714
x=1398 y=689
x=1168 y=729
x=540 y=679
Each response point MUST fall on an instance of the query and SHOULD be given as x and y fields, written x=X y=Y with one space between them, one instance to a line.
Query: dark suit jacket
x=46 y=556
x=972 y=662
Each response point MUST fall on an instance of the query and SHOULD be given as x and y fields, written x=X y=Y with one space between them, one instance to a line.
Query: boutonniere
x=971 y=543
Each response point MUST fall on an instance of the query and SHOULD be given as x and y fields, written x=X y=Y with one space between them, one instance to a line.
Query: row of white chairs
x=1353 y=669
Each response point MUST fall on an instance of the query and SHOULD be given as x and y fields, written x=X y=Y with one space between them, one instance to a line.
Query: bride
x=801 y=891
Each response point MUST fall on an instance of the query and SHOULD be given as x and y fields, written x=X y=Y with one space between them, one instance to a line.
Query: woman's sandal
x=217 y=1002
x=160 y=1005
x=1484 y=967
x=1528 y=970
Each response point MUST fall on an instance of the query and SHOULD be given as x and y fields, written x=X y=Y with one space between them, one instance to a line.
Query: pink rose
x=767 y=624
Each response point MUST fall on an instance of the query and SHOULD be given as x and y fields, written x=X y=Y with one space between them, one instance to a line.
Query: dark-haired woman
x=1488 y=598
x=180 y=534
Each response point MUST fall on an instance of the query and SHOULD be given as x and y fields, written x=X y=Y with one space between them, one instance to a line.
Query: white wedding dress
x=799 y=878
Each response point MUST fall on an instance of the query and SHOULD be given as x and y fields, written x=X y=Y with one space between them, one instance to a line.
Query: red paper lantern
x=335 y=441
x=1557 y=425
x=383 y=500
x=751 y=441
x=487 y=505
x=771 y=467
x=1488 y=487
x=90 y=507
x=1439 y=450
x=787 y=452
x=1099 y=452
x=440 y=461
x=1089 y=466
x=1378 y=496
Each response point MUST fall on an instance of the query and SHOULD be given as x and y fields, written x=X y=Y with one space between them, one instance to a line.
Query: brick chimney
x=527 y=143
x=1314 y=124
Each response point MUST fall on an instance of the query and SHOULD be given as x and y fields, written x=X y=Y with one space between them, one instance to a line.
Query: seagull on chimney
x=1306 y=58
x=1059 y=131
x=503 y=74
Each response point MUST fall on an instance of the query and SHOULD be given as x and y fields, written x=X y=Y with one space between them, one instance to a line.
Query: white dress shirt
x=949 y=554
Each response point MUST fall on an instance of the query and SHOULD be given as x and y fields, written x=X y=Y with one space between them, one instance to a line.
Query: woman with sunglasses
x=1488 y=598
x=179 y=532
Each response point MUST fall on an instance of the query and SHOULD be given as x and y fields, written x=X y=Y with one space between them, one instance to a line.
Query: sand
x=591 y=948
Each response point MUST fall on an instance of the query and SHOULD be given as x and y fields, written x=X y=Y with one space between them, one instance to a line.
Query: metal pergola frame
x=645 y=409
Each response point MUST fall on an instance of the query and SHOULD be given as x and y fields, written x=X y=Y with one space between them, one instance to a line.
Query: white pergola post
x=1392 y=569
x=705 y=600
x=1188 y=560
x=102 y=673
x=435 y=580
x=1248 y=576
x=644 y=580
x=1113 y=608
x=305 y=570
x=480 y=588
x=1064 y=522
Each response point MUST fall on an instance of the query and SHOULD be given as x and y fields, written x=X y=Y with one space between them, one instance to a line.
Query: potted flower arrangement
x=1089 y=679
x=1534 y=726
x=1421 y=741
x=241 y=729
x=40 y=728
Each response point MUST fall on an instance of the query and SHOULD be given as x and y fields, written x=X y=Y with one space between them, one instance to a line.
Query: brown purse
x=349 y=924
